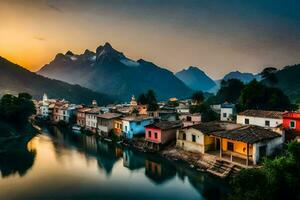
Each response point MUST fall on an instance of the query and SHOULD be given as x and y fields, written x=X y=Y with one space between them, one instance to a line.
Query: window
x=149 y=133
x=246 y=121
x=183 y=136
x=125 y=128
x=267 y=123
x=189 y=118
x=230 y=146
x=138 y=123
x=292 y=124
x=194 y=138
x=224 y=114
x=155 y=135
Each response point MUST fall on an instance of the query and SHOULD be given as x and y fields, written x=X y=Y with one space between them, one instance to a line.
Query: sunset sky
x=217 y=36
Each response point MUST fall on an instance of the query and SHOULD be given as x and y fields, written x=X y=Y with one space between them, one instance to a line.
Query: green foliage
x=269 y=75
x=150 y=99
x=16 y=110
x=277 y=179
x=207 y=114
x=198 y=97
x=142 y=99
x=256 y=95
x=229 y=91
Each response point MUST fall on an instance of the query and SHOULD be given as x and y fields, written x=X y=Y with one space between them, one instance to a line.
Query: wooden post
x=247 y=161
x=220 y=147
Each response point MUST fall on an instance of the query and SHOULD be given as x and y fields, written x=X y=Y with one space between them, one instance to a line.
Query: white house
x=267 y=119
x=91 y=119
x=227 y=112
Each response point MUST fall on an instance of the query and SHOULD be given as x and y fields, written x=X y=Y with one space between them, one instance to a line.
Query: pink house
x=159 y=134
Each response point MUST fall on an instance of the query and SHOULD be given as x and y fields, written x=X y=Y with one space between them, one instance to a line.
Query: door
x=262 y=152
x=218 y=144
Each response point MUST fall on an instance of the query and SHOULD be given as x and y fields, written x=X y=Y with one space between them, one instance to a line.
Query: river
x=63 y=165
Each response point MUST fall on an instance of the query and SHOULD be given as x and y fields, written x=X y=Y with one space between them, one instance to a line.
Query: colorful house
x=118 y=127
x=190 y=119
x=106 y=123
x=244 y=145
x=135 y=125
x=80 y=116
x=263 y=118
x=159 y=134
x=291 y=125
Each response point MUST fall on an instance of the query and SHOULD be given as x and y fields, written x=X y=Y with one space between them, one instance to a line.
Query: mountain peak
x=70 y=53
x=108 y=53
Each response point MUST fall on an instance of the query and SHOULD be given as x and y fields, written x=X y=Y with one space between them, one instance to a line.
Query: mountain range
x=242 y=76
x=111 y=71
x=195 y=79
x=15 y=79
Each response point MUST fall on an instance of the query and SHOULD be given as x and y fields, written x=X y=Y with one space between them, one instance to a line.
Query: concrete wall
x=272 y=145
x=258 y=121
x=228 y=112
x=188 y=144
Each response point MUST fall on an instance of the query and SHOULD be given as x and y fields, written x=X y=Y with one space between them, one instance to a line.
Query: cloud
x=39 y=38
x=55 y=8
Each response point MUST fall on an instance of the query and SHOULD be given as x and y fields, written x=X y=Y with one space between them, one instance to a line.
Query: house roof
x=136 y=118
x=109 y=115
x=165 y=125
x=208 y=127
x=248 y=134
x=262 y=114
x=93 y=111
x=227 y=105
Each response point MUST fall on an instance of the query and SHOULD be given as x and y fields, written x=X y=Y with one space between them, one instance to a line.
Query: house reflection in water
x=159 y=172
x=133 y=160
x=107 y=156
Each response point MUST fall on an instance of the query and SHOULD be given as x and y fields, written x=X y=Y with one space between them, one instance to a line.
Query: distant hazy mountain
x=15 y=79
x=244 y=77
x=111 y=71
x=196 y=79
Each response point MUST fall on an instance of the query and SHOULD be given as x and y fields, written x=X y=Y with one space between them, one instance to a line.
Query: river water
x=61 y=165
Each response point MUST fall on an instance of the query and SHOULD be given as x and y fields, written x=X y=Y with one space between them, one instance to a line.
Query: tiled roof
x=248 y=134
x=208 y=127
x=93 y=111
x=262 y=114
x=109 y=115
x=165 y=125
x=136 y=118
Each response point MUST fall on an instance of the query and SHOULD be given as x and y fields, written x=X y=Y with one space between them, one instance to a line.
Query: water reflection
x=18 y=160
x=109 y=171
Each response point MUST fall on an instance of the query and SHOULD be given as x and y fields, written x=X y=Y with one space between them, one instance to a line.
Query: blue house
x=135 y=125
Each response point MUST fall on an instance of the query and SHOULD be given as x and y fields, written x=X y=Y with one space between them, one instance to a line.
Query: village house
x=243 y=145
x=91 y=119
x=164 y=114
x=80 y=116
x=161 y=133
x=190 y=119
x=227 y=112
x=183 y=109
x=135 y=125
x=60 y=111
x=106 y=123
x=291 y=125
x=267 y=119
x=118 y=127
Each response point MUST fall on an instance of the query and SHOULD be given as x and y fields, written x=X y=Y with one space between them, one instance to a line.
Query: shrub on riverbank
x=277 y=179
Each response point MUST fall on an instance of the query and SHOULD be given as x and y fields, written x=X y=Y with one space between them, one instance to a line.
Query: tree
x=268 y=74
x=16 y=110
x=229 y=91
x=151 y=100
x=256 y=95
x=198 y=97
x=207 y=114
x=142 y=99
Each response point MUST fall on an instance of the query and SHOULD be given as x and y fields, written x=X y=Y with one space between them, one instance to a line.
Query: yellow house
x=244 y=145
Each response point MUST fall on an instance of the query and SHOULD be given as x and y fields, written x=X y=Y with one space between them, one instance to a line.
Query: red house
x=159 y=134
x=291 y=125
